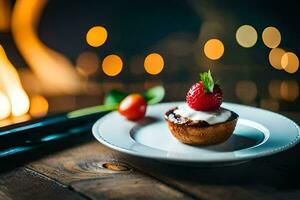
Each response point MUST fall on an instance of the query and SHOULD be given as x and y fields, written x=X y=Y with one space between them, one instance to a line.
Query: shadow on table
x=280 y=171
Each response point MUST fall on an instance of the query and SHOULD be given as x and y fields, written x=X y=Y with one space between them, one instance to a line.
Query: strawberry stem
x=208 y=81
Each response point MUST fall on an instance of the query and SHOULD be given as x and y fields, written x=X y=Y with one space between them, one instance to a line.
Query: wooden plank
x=79 y=163
x=129 y=186
x=251 y=180
x=83 y=169
x=25 y=184
x=274 y=177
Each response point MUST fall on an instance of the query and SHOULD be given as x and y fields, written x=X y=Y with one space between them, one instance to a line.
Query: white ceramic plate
x=258 y=133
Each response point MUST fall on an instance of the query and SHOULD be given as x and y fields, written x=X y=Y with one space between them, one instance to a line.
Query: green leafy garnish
x=154 y=95
x=208 y=81
x=114 y=97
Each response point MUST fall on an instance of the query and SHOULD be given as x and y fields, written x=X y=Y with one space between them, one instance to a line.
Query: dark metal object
x=23 y=137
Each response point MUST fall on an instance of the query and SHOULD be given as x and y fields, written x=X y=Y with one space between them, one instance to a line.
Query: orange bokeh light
x=274 y=89
x=290 y=62
x=275 y=56
x=214 y=49
x=96 y=36
x=154 y=63
x=271 y=37
x=87 y=63
x=112 y=65
x=246 y=90
x=269 y=104
x=289 y=90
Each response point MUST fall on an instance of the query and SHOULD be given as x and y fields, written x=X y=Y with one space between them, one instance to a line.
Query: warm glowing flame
x=12 y=86
x=271 y=37
x=154 y=63
x=38 y=106
x=55 y=71
x=214 y=49
x=5 y=107
x=19 y=101
x=112 y=65
x=290 y=62
x=4 y=15
x=246 y=36
x=19 y=119
x=96 y=36
x=275 y=56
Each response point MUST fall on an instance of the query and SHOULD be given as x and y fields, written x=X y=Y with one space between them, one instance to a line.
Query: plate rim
x=289 y=145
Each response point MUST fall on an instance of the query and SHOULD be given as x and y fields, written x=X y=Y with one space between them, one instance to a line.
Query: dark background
x=177 y=30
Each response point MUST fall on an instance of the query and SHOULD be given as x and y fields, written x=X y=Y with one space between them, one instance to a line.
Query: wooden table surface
x=89 y=170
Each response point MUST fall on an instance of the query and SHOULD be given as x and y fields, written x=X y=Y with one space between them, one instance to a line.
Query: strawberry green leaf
x=208 y=81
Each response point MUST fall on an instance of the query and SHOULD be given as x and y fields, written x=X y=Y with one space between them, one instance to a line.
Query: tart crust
x=200 y=132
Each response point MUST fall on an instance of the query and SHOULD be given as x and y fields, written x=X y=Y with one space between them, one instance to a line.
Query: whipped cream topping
x=211 y=117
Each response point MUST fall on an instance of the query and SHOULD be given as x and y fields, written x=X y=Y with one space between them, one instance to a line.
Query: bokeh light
x=269 y=104
x=290 y=62
x=275 y=57
x=246 y=91
x=96 y=36
x=214 y=49
x=154 y=63
x=5 y=107
x=271 y=37
x=38 y=106
x=289 y=90
x=274 y=89
x=246 y=36
x=87 y=63
x=112 y=65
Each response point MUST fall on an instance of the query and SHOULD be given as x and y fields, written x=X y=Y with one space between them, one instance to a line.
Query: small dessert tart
x=201 y=120
x=201 y=128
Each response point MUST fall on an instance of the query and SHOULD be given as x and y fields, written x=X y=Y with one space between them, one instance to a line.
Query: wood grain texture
x=82 y=168
x=130 y=186
x=24 y=184
x=253 y=180
x=273 y=177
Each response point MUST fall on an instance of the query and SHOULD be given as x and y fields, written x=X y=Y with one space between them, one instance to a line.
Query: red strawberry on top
x=205 y=95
